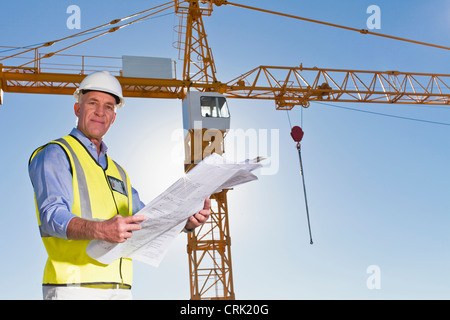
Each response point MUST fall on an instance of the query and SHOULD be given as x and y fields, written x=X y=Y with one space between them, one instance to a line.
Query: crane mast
x=209 y=246
x=192 y=43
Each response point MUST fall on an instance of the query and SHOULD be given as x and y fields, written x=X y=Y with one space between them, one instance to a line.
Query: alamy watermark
x=74 y=20
x=374 y=280
x=374 y=20
x=237 y=144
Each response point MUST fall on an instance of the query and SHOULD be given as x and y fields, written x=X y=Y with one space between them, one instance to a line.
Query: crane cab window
x=215 y=107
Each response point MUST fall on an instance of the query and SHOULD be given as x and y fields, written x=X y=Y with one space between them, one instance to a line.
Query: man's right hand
x=116 y=230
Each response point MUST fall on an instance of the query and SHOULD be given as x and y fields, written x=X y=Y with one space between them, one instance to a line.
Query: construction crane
x=210 y=267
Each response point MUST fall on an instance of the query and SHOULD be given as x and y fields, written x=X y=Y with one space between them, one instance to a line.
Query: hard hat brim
x=119 y=101
x=115 y=96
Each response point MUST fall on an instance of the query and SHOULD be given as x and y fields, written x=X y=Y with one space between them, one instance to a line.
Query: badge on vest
x=117 y=185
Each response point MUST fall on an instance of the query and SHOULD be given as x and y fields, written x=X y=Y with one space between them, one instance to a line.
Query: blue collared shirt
x=52 y=181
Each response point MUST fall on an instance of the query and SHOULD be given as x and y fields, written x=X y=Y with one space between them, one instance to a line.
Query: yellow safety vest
x=98 y=194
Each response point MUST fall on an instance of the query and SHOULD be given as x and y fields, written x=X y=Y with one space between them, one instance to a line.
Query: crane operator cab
x=205 y=110
x=206 y=120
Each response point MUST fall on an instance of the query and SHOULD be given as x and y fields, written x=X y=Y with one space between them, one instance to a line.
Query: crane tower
x=206 y=120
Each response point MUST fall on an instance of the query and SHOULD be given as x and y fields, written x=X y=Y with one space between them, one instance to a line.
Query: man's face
x=96 y=113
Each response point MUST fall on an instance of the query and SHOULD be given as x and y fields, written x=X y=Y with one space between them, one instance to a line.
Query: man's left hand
x=200 y=217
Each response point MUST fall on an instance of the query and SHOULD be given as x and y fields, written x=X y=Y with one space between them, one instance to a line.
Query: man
x=81 y=194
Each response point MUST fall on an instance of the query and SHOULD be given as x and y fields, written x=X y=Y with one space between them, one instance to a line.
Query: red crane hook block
x=297 y=134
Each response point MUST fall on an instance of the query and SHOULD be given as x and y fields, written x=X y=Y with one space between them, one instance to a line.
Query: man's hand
x=200 y=217
x=116 y=230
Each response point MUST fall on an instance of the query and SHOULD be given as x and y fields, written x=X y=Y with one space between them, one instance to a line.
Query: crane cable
x=165 y=6
x=363 y=31
x=297 y=135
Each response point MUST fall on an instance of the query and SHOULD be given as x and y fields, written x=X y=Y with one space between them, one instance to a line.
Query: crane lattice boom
x=287 y=86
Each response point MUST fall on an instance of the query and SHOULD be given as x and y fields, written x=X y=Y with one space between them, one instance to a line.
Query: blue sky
x=377 y=185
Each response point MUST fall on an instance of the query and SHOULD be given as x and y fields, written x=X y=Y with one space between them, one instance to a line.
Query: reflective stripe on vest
x=85 y=202
x=98 y=194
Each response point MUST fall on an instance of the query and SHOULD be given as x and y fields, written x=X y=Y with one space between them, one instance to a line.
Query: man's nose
x=100 y=110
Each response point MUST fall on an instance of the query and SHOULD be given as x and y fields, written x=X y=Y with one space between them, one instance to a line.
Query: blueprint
x=166 y=215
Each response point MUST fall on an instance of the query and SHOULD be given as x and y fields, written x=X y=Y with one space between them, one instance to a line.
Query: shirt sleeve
x=137 y=203
x=52 y=182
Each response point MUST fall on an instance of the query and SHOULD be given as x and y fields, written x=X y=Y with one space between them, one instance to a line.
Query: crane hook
x=297 y=134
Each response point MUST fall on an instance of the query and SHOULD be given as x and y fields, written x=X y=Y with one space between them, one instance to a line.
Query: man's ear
x=76 y=109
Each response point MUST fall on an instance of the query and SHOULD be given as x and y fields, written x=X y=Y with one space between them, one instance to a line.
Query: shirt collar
x=89 y=144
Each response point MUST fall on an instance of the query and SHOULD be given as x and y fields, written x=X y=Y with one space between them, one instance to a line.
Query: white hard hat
x=101 y=81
